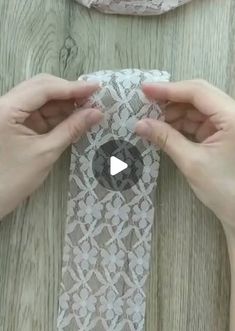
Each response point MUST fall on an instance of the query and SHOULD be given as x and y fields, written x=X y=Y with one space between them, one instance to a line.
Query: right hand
x=208 y=162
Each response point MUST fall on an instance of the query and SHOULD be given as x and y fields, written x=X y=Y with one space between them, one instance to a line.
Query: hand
x=37 y=123
x=208 y=115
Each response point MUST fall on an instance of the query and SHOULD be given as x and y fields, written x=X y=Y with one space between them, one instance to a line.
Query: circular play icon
x=117 y=165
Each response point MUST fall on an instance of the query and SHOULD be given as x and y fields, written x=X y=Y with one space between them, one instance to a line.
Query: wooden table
x=189 y=285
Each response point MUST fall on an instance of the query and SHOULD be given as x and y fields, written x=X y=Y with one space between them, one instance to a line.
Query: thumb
x=71 y=129
x=168 y=139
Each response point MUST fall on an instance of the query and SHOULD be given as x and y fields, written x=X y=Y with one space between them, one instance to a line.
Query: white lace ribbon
x=108 y=234
x=133 y=7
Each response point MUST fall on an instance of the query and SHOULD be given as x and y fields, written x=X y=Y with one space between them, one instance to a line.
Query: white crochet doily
x=133 y=7
x=108 y=233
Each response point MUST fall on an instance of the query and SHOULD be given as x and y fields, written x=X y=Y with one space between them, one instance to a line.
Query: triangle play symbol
x=116 y=166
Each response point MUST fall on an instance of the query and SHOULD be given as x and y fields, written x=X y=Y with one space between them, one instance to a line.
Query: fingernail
x=101 y=85
x=143 y=128
x=94 y=117
x=94 y=83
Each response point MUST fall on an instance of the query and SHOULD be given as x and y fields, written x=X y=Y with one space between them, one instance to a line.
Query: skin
x=207 y=160
x=38 y=123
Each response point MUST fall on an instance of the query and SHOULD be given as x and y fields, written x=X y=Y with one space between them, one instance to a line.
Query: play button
x=117 y=165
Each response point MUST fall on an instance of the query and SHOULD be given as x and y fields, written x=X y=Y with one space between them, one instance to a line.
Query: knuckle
x=75 y=130
x=199 y=88
x=42 y=78
x=200 y=83
x=7 y=111
x=161 y=139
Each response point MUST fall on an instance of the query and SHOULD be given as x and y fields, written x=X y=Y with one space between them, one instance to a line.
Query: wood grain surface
x=189 y=283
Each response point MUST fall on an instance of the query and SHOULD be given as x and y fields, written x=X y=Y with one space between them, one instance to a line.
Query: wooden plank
x=190 y=276
x=32 y=35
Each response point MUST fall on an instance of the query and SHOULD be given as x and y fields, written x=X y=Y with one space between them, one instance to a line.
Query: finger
x=37 y=123
x=189 y=127
x=177 y=125
x=57 y=108
x=71 y=129
x=168 y=139
x=56 y=120
x=185 y=126
x=192 y=114
x=61 y=107
x=80 y=102
x=35 y=93
x=206 y=98
x=200 y=131
x=48 y=117
x=204 y=131
x=41 y=124
x=176 y=111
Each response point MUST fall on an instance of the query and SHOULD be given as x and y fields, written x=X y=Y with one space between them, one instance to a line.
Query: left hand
x=37 y=123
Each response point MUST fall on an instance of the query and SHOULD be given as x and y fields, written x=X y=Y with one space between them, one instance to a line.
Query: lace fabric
x=133 y=7
x=108 y=234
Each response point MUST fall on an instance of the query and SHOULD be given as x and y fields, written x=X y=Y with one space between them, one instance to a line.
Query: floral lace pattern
x=133 y=7
x=108 y=233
